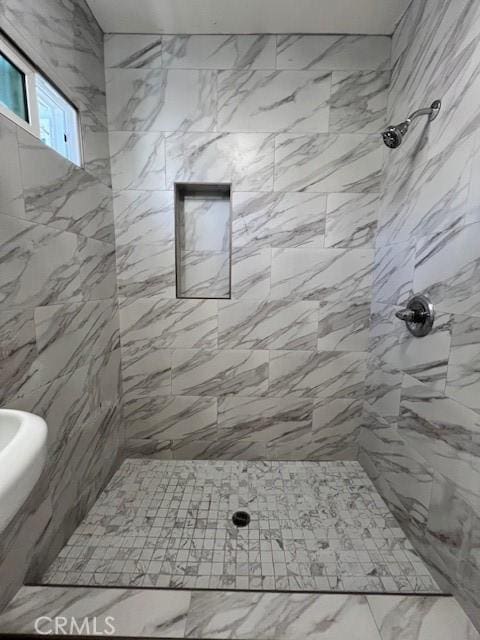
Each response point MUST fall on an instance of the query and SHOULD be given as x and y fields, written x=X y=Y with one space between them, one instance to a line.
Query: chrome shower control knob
x=419 y=316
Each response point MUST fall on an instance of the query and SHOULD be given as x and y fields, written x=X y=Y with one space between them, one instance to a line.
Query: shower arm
x=432 y=112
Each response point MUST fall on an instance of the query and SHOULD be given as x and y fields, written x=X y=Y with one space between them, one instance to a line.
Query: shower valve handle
x=418 y=315
x=411 y=315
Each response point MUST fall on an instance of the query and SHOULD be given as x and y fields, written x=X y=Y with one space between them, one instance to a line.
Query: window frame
x=33 y=124
x=23 y=64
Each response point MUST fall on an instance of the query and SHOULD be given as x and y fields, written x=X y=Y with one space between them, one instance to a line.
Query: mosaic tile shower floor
x=315 y=526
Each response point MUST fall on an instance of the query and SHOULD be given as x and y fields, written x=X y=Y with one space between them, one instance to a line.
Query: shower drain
x=241 y=518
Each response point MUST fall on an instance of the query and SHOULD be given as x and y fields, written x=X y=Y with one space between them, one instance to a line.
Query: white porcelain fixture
x=23 y=451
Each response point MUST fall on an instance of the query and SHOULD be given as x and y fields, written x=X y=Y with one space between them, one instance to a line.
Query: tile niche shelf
x=203 y=245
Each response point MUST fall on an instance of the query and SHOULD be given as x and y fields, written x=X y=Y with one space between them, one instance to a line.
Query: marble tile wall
x=421 y=437
x=291 y=123
x=59 y=321
x=66 y=43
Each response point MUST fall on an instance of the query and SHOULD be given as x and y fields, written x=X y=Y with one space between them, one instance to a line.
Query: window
x=32 y=102
x=58 y=121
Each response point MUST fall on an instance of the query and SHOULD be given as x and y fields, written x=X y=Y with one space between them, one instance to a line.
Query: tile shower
x=190 y=375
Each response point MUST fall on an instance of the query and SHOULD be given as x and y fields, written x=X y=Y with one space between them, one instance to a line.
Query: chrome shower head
x=393 y=135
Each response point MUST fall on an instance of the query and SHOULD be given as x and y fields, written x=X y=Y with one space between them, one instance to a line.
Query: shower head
x=393 y=135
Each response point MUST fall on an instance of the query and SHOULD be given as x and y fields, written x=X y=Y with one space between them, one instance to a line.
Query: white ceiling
x=248 y=16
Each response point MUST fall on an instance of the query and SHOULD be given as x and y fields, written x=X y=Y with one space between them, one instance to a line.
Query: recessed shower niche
x=203 y=222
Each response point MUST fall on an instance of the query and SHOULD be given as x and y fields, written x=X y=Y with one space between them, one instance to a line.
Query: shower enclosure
x=259 y=364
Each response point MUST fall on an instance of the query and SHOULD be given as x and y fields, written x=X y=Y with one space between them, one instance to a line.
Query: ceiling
x=249 y=16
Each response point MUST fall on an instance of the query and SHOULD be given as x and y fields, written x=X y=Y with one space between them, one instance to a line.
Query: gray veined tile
x=146 y=270
x=39 y=264
x=280 y=616
x=133 y=51
x=336 y=428
x=251 y=273
x=11 y=190
x=146 y=372
x=161 y=100
x=450 y=518
x=393 y=273
x=144 y=217
x=219 y=51
x=443 y=432
x=343 y=325
x=328 y=163
x=205 y=225
x=137 y=160
x=328 y=374
x=62 y=195
x=204 y=274
x=321 y=274
x=427 y=193
x=72 y=335
x=417 y=618
x=351 y=220
x=159 y=323
x=162 y=418
x=97 y=279
x=383 y=387
x=214 y=373
x=333 y=52
x=266 y=420
x=273 y=101
x=132 y=612
x=244 y=159
x=463 y=375
x=397 y=350
x=278 y=219
x=18 y=351
x=447 y=270
x=358 y=103
x=265 y=324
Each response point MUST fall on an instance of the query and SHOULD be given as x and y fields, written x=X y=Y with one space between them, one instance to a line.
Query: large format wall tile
x=219 y=52
x=263 y=419
x=161 y=100
x=278 y=219
x=323 y=375
x=244 y=159
x=351 y=220
x=327 y=163
x=463 y=375
x=278 y=324
x=165 y=418
x=321 y=274
x=358 y=103
x=273 y=101
x=393 y=274
x=336 y=428
x=215 y=373
x=59 y=194
x=144 y=217
x=133 y=51
x=11 y=189
x=333 y=52
x=285 y=264
x=447 y=269
x=58 y=311
x=343 y=325
x=19 y=351
x=138 y=160
x=39 y=264
x=145 y=270
x=157 y=323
